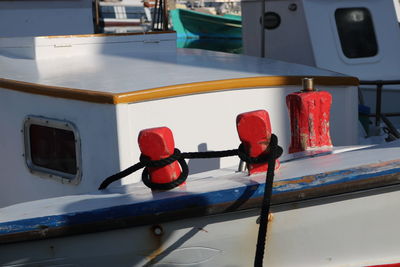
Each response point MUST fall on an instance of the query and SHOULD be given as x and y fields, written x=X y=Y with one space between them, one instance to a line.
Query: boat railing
x=379 y=116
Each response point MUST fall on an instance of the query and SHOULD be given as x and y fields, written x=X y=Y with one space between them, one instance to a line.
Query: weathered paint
x=186 y=204
x=309 y=120
x=158 y=143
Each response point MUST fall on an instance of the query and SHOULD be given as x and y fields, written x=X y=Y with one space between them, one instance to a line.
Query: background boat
x=192 y=24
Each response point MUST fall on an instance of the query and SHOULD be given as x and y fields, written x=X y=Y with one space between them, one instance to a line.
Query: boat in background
x=192 y=24
x=124 y=16
x=358 y=38
x=215 y=44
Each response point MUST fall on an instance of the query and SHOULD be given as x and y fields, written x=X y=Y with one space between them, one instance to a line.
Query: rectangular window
x=356 y=32
x=52 y=148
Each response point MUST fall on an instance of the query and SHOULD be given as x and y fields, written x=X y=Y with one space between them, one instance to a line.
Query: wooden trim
x=60 y=92
x=231 y=84
x=170 y=91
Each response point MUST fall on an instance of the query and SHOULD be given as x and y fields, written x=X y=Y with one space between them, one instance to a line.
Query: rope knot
x=265 y=157
x=146 y=161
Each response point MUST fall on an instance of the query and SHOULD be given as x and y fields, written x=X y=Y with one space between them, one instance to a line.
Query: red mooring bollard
x=254 y=129
x=158 y=143
x=309 y=112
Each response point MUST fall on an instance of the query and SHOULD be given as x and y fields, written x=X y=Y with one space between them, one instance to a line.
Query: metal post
x=165 y=16
x=378 y=111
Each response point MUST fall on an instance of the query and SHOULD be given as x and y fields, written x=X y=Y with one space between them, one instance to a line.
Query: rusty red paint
x=309 y=120
x=158 y=143
x=254 y=129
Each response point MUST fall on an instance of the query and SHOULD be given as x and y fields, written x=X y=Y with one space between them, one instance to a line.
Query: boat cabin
x=72 y=106
x=356 y=37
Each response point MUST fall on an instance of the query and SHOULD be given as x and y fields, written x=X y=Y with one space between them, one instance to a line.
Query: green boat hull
x=192 y=24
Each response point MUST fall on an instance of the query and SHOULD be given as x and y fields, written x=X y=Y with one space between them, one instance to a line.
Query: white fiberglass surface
x=202 y=183
x=143 y=69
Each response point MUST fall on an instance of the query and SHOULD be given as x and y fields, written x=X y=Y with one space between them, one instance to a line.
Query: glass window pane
x=356 y=32
x=53 y=148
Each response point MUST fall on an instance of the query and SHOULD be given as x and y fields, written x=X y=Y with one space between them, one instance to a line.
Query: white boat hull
x=336 y=231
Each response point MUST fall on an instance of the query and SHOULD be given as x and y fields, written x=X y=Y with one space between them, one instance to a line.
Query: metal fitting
x=308 y=85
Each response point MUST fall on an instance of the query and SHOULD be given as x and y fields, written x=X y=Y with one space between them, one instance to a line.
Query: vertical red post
x=158 y=143
x=254 y=129
x=309 y=112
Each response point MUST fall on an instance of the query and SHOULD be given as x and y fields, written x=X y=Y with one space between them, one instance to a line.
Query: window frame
x=63 y=177
x=360 y=60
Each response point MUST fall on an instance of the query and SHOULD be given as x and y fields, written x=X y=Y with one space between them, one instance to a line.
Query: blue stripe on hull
x=186 y=200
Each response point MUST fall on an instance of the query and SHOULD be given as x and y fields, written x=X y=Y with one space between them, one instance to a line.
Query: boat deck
x=117 y=68
x=304 y=177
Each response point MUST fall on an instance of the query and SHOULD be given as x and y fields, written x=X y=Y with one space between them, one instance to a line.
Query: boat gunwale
x=350 y=181
x=171 y=90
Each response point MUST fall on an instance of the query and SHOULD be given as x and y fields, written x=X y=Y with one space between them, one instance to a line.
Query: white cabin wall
x=251 y=28
x=289 y=42
x=61 y=47
x=309 y=36
x=326 y=46
x=99 y=146
x=208 y=121
x=39 y=18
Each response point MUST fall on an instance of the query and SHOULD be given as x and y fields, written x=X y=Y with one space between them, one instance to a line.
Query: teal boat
x=191 y=24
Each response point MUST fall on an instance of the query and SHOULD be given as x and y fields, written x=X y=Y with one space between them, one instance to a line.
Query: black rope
x=120 y=175
x=178 y=156
x=274 y=152
x=166 y=186
x=266 y=203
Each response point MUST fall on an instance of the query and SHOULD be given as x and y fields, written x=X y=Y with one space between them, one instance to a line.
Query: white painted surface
x=351 y=230
x=326 y=44
x=336 y=232
x=99 y=145
x=198 y=122
x=123 y=64
x=35 y=18
x=211 y=181
x=309 y=36
x=109 y=132
x=130 y=63
x=289 y=42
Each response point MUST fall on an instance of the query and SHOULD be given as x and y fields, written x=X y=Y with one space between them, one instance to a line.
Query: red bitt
x=158 y=143
x=254 y=129
x=309 y=120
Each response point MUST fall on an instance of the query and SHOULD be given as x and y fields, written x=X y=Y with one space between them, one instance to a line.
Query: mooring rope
x=266 y=203
x=145 y=162
x=274 y=152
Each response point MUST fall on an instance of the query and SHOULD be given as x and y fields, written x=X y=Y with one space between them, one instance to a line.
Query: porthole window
x=52 y=149
x=356 y=32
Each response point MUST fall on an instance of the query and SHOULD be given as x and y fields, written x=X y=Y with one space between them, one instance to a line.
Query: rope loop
x=162 y=162
x=167 y=186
